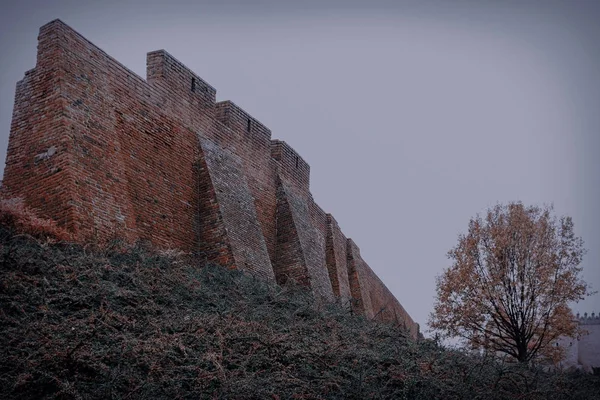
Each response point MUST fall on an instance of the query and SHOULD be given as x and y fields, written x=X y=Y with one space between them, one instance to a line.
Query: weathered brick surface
x=357 y=278
x=370 y=294
x=383 y=303
x=39 y=152
x=213 y=243
x=309 y=252
x=292 y=168
x=336 y=257
x=237 y=210
x=255 y=152
x=106 y=153
x=290 y=262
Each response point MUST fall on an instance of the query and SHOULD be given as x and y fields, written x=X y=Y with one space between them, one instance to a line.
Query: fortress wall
x=309 y=264
x=213 y=242
x=291 y=167
x=333 y=242
x=132 y=146
x=359 y=288
x=385 y=306
x=308 y=218
x=192 y=101
x=254 y=149
x=336 y=259
x=237 y=216
x=186 y=98
x=39 y=152
x=105 y=153
x=185 y=91
x=290 y=262
x=123 y=147
x=372 y=297
x=318 y=218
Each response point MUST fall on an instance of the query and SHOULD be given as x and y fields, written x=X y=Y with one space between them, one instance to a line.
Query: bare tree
x=512 y=277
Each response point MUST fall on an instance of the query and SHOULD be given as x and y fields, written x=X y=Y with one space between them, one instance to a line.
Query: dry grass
x=15 y=214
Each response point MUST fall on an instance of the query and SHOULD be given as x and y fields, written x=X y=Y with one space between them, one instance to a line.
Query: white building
x=583 y=352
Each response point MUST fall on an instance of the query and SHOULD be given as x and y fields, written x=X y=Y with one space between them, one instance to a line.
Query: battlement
x=233 y=116
x=331 y=220
x=293 y=167
x=353 y=249
x=163 y=68
x=56 y=39
x=585 y=319
x=49 y=36
x=101 y=150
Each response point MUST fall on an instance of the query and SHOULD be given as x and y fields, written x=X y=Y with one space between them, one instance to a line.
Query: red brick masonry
x=106 y=153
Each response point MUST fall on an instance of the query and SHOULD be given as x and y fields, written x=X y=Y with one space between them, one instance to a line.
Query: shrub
x=16 y=215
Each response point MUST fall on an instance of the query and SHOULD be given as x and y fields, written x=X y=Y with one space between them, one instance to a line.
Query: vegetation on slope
x=135 y=324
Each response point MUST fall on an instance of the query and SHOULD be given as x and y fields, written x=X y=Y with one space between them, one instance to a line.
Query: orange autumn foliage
x=512 y=277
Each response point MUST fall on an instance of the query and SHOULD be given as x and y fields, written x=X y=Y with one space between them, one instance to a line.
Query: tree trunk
x=522 y=353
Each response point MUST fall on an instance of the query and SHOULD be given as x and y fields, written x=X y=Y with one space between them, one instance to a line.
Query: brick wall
x=107 y=153
x=254 y=148
x=293 y=209
x=222 y=173
x=39 y=159
x=358 y=280
x=337 y=260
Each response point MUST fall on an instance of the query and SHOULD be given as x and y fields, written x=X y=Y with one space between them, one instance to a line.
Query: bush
x=15 y=214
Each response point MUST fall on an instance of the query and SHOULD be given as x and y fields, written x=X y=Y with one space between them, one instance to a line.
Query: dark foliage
x=132 y=324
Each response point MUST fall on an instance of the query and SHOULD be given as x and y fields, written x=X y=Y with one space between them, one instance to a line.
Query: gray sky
x=414 y=115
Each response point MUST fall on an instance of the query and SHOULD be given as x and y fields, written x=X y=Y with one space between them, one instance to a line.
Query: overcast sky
x=414 y=116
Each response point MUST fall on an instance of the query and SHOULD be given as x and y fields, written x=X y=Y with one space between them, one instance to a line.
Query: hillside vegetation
x=132 y=323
